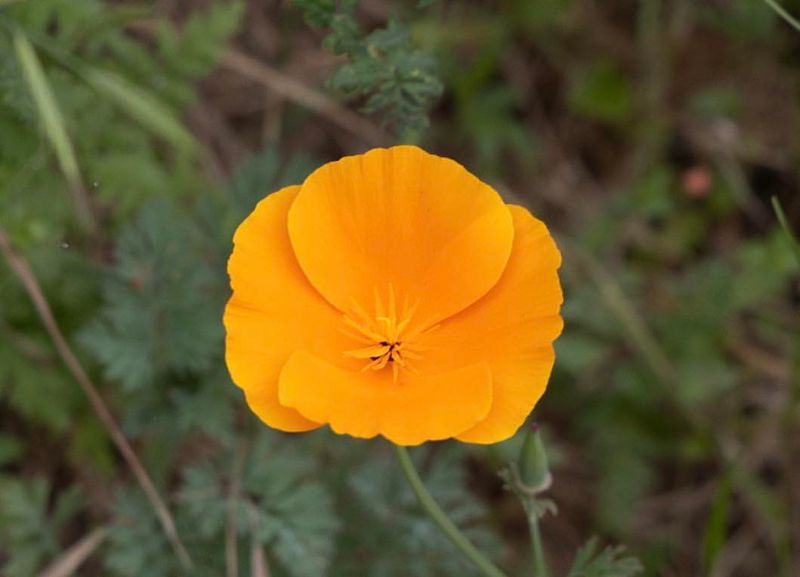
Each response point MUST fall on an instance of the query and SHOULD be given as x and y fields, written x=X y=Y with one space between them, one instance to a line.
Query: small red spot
x=697 y=181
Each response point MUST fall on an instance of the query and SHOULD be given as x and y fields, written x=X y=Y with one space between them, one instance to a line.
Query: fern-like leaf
x=610 y=562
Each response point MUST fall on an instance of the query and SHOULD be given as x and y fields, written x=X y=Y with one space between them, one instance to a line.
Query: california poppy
x=393 y=293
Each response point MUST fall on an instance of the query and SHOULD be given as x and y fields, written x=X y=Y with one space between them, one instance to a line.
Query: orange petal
x=511 y=328
x=405 y=219
x=273 y=312
x=364 y=404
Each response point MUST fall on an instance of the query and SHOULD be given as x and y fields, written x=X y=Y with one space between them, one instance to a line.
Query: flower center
x=386 y=337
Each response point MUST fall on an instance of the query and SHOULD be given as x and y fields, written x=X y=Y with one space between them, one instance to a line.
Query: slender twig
x=69 y=562
x=258 y=561
x=19 y=265
x=298 y=92
x=781 y=11
x=231 y=533
x=439 y=517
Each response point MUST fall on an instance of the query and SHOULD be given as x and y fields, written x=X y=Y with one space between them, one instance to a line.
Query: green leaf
x=29 y=528
x=787 y=230
x=193 y=51
x=294 y=515
x=163 y=303
x=610 y=562
x=263 y=173
x=203 y=496
x=53 y=124
x=37 y=390
x=50 y=114
x=282 y=504
x=140 y=105
x=384 y=517
x=716 y=531
x=136 y=544
x=384 y=69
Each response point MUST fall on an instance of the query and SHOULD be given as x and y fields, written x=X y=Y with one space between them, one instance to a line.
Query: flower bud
x=533 y=469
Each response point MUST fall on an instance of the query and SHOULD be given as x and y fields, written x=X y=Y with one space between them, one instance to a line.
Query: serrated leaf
x=263 y=173
x=194 y=50
x=294 y=518
x=394 y=79
x=610 y=562
x=159 y=313
x=136 y=545
x=281 y=503
x=384 y=517
x=29 y=528
x=204 y=499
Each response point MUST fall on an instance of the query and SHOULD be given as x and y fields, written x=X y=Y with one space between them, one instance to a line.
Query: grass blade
x=137 y=102
x=140 y=105
x=776 y=206
x=54 y=127
x=716 y=532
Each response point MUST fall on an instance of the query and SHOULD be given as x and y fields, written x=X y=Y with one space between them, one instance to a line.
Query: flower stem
x=440 y=518
x=539 y=564
x=783 y=13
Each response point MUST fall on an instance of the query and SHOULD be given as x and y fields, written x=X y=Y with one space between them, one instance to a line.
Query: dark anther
x=384 y=343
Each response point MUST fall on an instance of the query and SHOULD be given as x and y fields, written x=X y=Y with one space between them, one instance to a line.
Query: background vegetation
x=649 y=134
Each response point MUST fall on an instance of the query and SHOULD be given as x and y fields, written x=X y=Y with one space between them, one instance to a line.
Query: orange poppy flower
x=393 y=293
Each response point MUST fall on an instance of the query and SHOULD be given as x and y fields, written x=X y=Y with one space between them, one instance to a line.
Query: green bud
x=533 y=469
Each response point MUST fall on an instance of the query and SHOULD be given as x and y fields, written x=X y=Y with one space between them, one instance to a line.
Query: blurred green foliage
x=651 y=150
x=393 y=78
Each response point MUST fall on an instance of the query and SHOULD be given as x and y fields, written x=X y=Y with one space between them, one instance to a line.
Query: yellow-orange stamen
x=387 y=334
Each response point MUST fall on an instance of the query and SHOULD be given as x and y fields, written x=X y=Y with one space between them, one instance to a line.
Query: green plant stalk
x=539 y=563
x=141 y=105
x=781 y=11
x=54 y=127
x=441 y=519
x=787 y=230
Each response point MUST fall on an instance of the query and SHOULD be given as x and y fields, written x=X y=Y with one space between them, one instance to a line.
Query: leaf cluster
x=30 y=524
x=386 y=520
x=395 y=80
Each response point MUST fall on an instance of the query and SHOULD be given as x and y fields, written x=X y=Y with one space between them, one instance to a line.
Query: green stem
x=784 y=222
x=440 y=518
x=781 y=11
x=539 y=564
